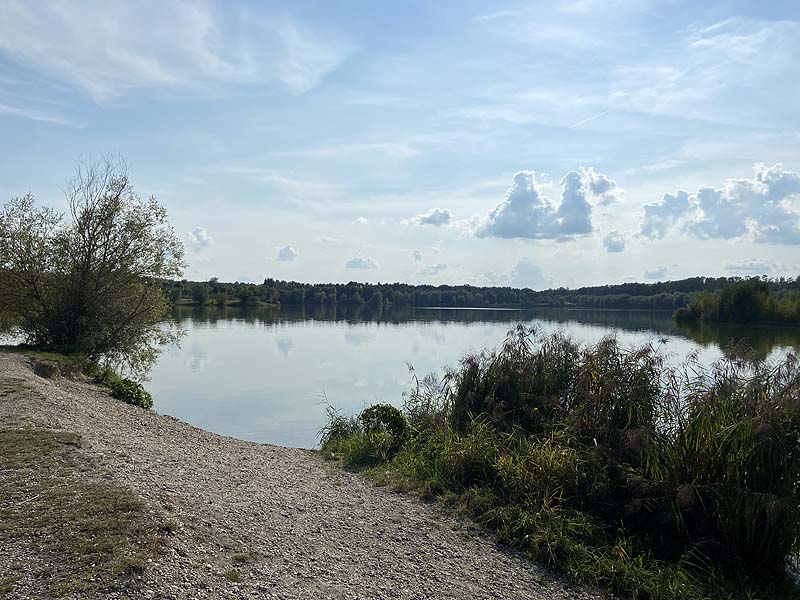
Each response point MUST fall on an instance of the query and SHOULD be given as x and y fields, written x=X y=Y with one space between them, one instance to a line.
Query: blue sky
x=534 y=144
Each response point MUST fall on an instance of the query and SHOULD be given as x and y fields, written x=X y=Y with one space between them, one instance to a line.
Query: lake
x=265 y=374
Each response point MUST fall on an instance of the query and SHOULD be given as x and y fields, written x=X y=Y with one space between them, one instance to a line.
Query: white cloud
x=575 y=213
x=660 y=216
x=604 y=190
x=527 y=213
x=356 y=150
x=614 y=242
x=198 y=239
x=752 y=266
x=706 y=74
x=495 y=279
x=436 y=216
x=36 y=115
x=500 y=14
x=759 y=208
x=432 y=270
x=330 y=240
x=361 y=263
x=417 y=255
x=360 y=221
x=287 y=254
x=112 y=48
x=656 y=273
x=527 y=274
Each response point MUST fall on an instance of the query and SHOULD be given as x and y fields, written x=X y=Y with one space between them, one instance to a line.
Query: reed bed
x=604 y=462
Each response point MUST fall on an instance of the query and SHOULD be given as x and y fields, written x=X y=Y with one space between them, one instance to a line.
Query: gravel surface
x=292 y=525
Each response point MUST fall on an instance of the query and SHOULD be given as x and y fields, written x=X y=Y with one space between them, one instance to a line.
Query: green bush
x=602 y=462
x=131 y=392
x=384 y=418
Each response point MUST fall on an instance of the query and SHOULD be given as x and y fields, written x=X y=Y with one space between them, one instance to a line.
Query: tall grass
x=603 y=462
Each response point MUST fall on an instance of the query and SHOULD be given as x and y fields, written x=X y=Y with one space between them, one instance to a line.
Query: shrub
x=373 y=437
x=659 y=483
x=131 y=392
x=90 y=283
x=384 y=418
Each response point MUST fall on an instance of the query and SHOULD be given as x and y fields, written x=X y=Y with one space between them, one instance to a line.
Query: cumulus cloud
x=604 y=190
x=614 y=242
x=759 y=207
x=656 y=273
x=435 y=216
x=360 y=221
x=198 y=239
x=527 y=212
x=528 y=274
x=417 y=255
x=361 y=263
x=431 y=270
x=575 y=213
x=287 y=254
x=660 y=216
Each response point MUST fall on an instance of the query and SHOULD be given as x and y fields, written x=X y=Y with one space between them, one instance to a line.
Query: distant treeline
x=669 y=295
x=748 y=301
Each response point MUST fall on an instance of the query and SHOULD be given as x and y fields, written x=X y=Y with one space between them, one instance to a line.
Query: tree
x=200 y=293
x=90 y=283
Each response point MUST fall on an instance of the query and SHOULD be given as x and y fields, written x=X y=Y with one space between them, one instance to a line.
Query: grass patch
x=93 y=536
x=234 y=576
x=244 y=558
x=604 y=464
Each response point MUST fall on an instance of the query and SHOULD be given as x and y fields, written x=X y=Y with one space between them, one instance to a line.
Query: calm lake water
x=262 y=374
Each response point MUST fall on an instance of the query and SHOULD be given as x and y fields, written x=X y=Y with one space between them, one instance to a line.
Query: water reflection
x=762 y=338
x=261 y=373
x=285 y=345
x=196 y=359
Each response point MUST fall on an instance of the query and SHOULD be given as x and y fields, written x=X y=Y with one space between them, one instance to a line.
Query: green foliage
x=665 y=295
x=131 y=392
x=361 y=442
x=90 y=283
x=384 y=417
x=744 y=302
x=602 y=462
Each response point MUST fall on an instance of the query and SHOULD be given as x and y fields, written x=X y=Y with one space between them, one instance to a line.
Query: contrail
x=605 y=112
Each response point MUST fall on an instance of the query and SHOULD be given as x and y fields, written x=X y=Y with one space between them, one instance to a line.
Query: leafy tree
x=200 y=293
x=90 y=282
x=375 y=300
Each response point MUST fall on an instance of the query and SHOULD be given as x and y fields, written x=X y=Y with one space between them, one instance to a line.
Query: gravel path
x=293 y=525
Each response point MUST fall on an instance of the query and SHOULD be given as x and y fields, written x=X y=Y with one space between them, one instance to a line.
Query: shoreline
x=306 y=528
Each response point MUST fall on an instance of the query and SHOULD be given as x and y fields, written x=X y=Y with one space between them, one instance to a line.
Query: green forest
x=749 y=301
x=667 y=295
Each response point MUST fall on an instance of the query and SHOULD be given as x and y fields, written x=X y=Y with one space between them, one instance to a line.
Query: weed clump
x=127 y=390
x=606 y=464
x=374 y=437
x=131 y=392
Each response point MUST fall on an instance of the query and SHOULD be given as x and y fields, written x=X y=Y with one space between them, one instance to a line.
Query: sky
x=533 y=144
